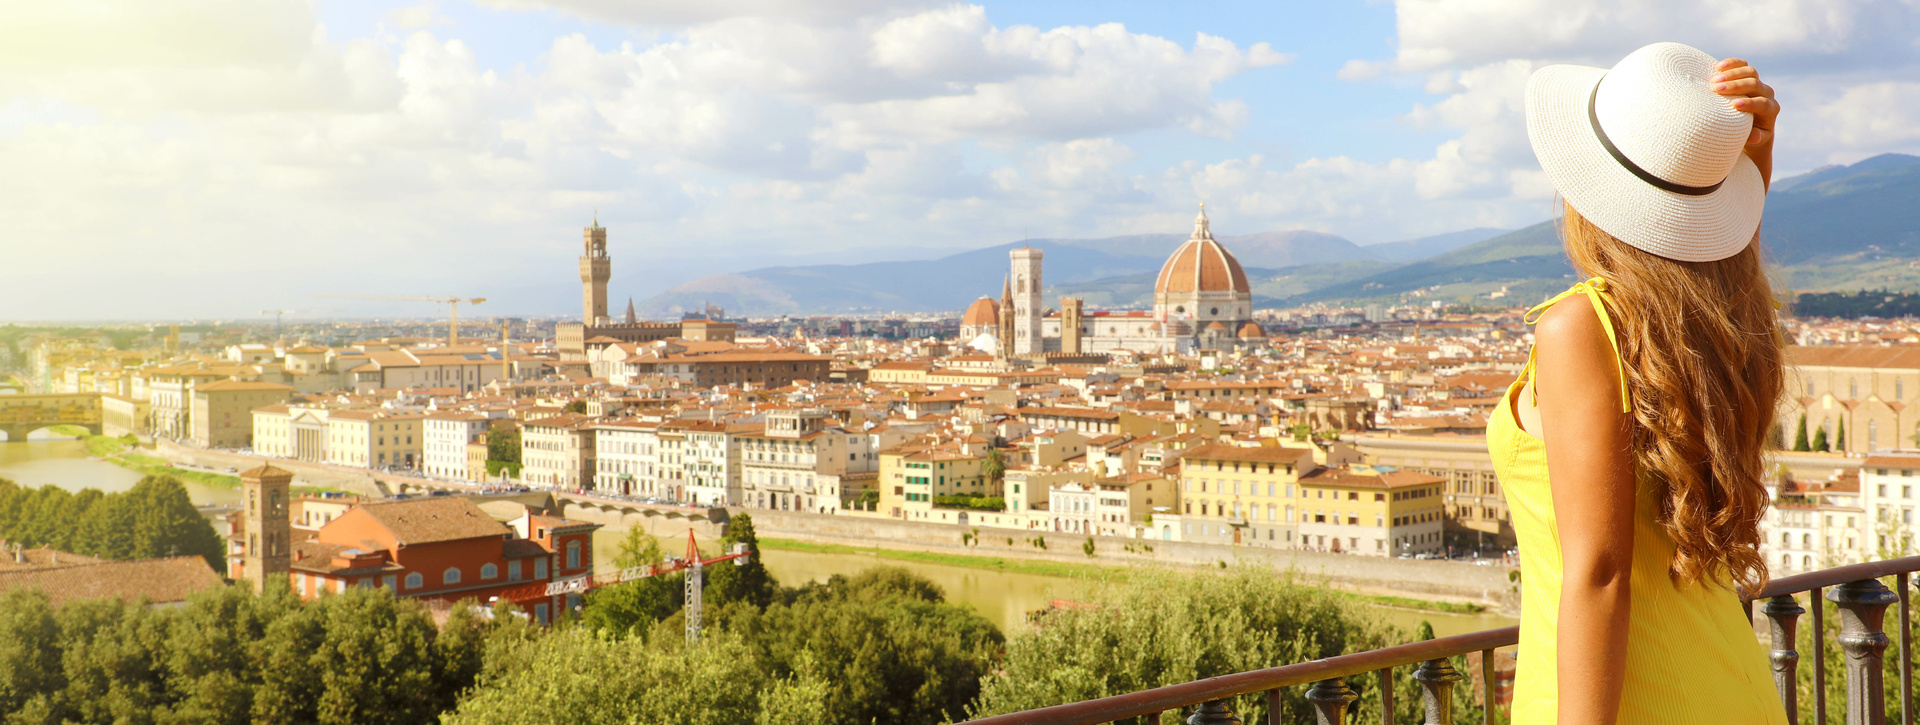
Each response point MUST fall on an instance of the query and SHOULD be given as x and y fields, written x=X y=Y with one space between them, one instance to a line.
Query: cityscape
x=1170 y=431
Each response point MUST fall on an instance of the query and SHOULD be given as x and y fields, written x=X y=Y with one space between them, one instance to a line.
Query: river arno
x=1002 y=597
x=65 y=463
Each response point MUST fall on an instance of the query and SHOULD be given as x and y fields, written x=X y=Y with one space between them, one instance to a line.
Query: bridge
x=21 y=415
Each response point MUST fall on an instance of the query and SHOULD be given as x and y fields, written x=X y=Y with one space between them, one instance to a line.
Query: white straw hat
x=1649 y=153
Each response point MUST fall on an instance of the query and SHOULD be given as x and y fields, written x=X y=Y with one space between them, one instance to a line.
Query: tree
x=620 y=609
x=749 y=583
x=503 y=451
x=995 y=467
x=1160 y=627
x=1800 y=437
x=155 y=518
x=578 y=407
x=1840 y=439
x=898 y=651
x=1820 y=438
x=165 y=523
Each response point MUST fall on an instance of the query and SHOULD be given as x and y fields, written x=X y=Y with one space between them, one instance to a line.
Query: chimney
x=19 y=557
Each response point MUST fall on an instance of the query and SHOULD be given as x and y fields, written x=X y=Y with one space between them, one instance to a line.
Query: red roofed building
x=443 y=548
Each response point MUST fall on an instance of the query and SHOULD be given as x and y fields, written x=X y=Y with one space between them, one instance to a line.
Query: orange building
x=448 y=549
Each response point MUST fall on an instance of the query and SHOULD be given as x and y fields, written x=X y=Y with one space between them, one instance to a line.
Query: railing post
x=1863 y=607
x=1437 y=677
x=1783 y=619
x=1213 y=712
x=1331 y=697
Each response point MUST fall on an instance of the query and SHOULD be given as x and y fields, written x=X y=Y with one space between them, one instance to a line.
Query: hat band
x=1644 y=175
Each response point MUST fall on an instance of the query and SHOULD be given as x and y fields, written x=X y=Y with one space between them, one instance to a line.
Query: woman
x=1631 y=447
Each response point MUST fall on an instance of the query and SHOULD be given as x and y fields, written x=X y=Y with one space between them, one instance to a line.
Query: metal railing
x=1855 y=590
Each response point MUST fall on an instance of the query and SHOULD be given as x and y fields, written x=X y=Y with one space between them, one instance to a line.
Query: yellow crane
x=452 y=303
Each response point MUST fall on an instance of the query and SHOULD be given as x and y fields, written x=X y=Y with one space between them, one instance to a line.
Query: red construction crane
x=693 y=565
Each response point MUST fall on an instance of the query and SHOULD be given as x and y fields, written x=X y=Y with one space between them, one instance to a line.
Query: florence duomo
x=1201 y=301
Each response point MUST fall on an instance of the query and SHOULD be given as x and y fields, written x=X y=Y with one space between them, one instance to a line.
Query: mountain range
x=1834 y=228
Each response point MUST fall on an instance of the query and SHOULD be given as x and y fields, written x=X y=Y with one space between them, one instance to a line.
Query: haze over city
x=206 y=159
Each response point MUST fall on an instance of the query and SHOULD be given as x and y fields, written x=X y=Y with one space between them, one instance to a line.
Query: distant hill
x=1424 y=247
x=1829 y=215
x=1125 y=266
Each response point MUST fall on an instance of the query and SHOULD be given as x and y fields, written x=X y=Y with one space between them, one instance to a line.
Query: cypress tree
x=1840 y=440
x=1820 y=439
x=1800 y=437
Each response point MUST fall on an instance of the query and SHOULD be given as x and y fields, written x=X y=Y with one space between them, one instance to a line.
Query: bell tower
x=1027 y=311
x=269 y=526
x=595 y=269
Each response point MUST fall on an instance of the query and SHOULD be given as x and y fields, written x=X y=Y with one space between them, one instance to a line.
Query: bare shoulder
x=1571 y=330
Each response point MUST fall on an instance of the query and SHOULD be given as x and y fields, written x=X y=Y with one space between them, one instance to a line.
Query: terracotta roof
x=1202 y=265
x=1856 y=356
x=1263 y=454
x=238 y=385
x=265 y=470
x=43 y=558
x=983 y=311
x=160 y=581
x=1376 y=479
x=428 y=520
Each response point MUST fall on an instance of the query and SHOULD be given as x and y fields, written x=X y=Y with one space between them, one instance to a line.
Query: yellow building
x=912 y=477
x=1239 y=495
x=1371 y=511
x=371 y=439
x=222 y=415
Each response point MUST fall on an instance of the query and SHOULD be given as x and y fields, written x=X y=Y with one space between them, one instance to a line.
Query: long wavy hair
x=1704 y=363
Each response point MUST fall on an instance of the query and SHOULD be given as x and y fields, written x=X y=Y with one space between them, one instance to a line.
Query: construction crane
x=277 y=313
x=452 y=303
x=693 y=565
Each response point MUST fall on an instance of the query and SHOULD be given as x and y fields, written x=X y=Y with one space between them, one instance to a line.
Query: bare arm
x=1590 y=464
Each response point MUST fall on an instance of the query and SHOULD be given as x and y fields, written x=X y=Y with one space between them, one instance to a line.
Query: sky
x=208 y=159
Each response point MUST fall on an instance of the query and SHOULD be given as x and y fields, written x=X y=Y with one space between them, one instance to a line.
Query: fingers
x=1731 y=63
x=1742 y=87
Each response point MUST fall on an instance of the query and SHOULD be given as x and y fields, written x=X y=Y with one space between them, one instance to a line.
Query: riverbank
x=1080 y=571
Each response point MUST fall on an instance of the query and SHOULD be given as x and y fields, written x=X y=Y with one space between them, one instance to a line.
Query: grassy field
x=1066 y=570
x=118 y=453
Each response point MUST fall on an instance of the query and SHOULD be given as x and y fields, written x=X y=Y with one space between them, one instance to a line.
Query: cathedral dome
x=1251 y=331
x=983 y=311
x=1201 y=265
x=1216 y=327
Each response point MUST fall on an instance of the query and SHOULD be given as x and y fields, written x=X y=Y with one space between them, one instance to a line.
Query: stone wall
x=1426 y=579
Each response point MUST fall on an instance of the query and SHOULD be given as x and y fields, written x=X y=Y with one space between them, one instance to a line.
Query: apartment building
x=627 y=460
x=558 y=452
x=797 y=461
x=374 y=439
x=1375 y=511
x=222 y=414
x=1240 y=495
x=1476 y=508
x=445 y=436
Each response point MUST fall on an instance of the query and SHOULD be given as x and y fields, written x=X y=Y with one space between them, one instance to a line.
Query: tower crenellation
x=595 y=269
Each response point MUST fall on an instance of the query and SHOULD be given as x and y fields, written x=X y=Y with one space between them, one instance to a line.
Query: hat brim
x=1676 y=226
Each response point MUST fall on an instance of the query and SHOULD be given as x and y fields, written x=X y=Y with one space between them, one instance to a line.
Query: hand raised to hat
x=1740 y=81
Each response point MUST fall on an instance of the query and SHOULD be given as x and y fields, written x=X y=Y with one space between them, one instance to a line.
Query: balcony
x=1856 y=591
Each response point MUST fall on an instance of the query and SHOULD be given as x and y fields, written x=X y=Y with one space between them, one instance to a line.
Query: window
x=489 y=571
x=415 y=581
x=573 y=554
x=540 y=568
x=450 y=576
x=1853 y=388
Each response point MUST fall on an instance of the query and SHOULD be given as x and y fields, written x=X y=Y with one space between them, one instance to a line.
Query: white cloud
x=415 y=17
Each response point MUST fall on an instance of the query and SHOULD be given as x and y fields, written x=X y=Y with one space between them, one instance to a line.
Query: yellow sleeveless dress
x=1691 y=656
